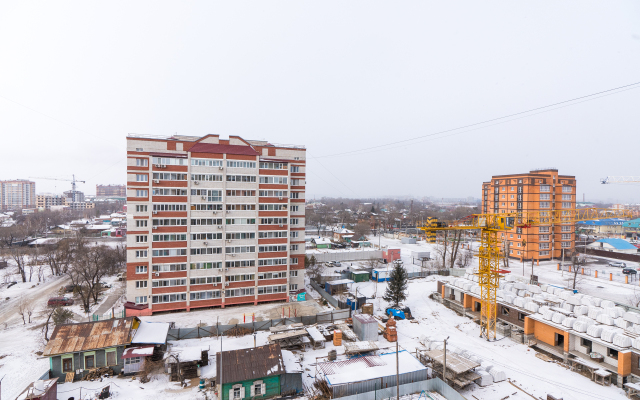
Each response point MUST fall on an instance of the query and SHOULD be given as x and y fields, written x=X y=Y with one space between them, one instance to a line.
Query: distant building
x=616 y=245
x=111 y=191
x=47 y=201
x=538 y=190
x=74 y=196
x=17 y=194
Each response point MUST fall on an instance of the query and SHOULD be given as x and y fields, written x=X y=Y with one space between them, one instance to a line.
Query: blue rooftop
x=619 y=244
x=603 y=222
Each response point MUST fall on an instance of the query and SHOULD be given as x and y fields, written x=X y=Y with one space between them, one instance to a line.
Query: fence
x=119 y=314
x=351 y=255
x=429 y=385
x=609 y=254
x=330 y=299
x=215 y=330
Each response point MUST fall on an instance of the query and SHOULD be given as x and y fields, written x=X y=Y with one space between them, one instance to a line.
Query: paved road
x=38 y=295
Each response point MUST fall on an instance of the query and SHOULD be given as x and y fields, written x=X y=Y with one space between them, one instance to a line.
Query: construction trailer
x=365 y=327
x=338 y=286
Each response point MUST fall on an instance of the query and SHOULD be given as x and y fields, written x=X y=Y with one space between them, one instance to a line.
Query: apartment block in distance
x=17 y=194
x=538 y=190
x=213 y=222
x=111 y=190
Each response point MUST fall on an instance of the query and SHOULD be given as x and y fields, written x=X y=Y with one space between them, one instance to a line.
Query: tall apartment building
x=17 y=194
x=46 y=201
x=111 y=190
x=538 y=190
x=213 y=222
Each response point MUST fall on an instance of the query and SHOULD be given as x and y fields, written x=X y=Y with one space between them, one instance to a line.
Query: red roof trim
x=223 y=149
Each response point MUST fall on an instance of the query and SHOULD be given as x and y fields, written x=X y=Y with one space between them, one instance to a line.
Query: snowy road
x=37 y=295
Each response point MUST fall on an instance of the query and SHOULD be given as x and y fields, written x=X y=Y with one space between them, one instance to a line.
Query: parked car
x=629 y=271
x=617 y=264
x=70 y=288
x=399 y=313
x=122 y=276
x=333 y=264
x=59 y=301
x=105 y=285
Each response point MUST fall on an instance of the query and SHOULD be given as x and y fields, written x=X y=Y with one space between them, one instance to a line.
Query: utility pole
x=397 y=370
x=444 y=365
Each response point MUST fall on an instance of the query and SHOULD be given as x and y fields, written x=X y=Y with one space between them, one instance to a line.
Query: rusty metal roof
x=89 y=336
x=249 y=364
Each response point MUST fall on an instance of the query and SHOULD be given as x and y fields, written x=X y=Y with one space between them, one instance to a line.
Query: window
x=293 y=273
x=293 y=234
x=567 y=189
x=206 y=265
x=206 y=207
x=295 y=195
x=294 y=247
x=241 y=207
x=67 y=364
x=141 y=300
x=206 y=250
x=544 y=204
x=205 y=162
x=612 y=353
x=169 y=161
x=273 y=221
x=169 y=222
x=273 y=165
x=272 y=261
x=293 y=286
x=169 y=192
x=241 y=178
x=206 y=177
x=272 y=248
x=276 y=180
x=89 y=361
x=169 y=207
x=141 y=238
x=141 y=269
x=272 y=289
x=511 y=235
x=586 y=342
x=241 y=221
x=206 y=221
x=111 y=357
x=241 y=193
x=142 y=178
x=272 y=275
x=169 y=282
x=543 y=229
x=132 y=360
x=566 y=236
x=140 y=208
x=521 y=316
x=272 y=193
x=205 y=280
x=211 y=294
x=566 y=245
x=505 y=311
x=294 y=260
x=208 y=195
x=544 y=253
x=294 y=221
x=545 y=197
x=240 y=249
x=503 y=196
x=543 y=245
x=241 y=235
x=272 y=207
x=543 y=237
x=236 y=393
x=169 y=252
x=241 y=164
x=141 y=253
x=295 y=168
x=142 y=193
x=566 y=228
x=240 y=278
x=566 y=197
x=206 y=236
x=240 y=263
x=169 y=298
x=239 y=292
x=139 y=149
x=142 y=162
x=545 y=188
x=141 y=284
x=293 y=208
x=168 y=267
x=566 y=205
x=170 y=237
x=257 y=389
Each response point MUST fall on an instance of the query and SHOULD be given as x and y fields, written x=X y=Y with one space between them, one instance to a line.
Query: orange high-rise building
x=538 y=190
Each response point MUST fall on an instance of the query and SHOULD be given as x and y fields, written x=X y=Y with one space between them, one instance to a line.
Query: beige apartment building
x=538 y=190
x=17 y=194
x=213 y=222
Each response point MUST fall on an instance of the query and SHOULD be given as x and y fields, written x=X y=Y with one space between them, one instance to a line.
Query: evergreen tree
x=307 y=262
x=397 y=286
x=312 y=260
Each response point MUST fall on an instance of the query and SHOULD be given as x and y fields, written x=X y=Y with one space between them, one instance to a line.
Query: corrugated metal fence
x=373 y=385
x=430 y=385
x=353 y=255
x=208 y=331
x=330 y=299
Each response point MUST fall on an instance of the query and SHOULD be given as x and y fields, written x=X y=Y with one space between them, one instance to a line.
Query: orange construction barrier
x=610 y=277
x=626 y=279
x=558 y=266
x=596 y=274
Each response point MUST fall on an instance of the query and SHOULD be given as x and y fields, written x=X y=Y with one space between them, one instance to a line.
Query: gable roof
x=223 y=149
x=619 y=244
x=634 y=223
x=249 y=364
x=88 y=336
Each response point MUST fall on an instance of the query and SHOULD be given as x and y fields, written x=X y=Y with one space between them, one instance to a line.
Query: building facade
x=111 y=191
x=213 y=222
x=17 y=194
x=46 y=201
x=538 y=190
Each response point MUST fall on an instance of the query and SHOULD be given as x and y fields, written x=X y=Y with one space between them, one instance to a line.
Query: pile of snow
x=593 y=330
x=622 y=341
x=579 y=310
x=620 y=322
x=531 y=306
x=609 y=333
x=633 y=317
x=604 y=319
x=569 y=322
x=498 y=375
x=558 y=318
x=615 y=312
x=594 y=312
x=547 y=314
x=485 y=379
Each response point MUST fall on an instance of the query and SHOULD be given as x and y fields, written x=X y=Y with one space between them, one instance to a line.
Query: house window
x=132 y=360
x=505 y=311
x=141 y=269
x=236 y=393
x=612 y=353
x=586 y=342
x=67 y=364
x=89 y=361
x=257 y=389
x=293 y=286
x=521 y=316
x=293 y=273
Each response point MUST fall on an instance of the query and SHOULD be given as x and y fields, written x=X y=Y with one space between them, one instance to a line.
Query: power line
x=521 y=114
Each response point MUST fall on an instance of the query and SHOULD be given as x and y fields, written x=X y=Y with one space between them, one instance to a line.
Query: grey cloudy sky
x=336 y=76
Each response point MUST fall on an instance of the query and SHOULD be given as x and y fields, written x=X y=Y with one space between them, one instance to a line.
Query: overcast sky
x=76 y=77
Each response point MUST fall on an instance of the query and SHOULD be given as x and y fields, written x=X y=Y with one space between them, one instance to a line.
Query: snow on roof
x=619 y=244
x=315 y=335
x=340 y=282
x=151 y=332
x=603 y=222
x=291 y=363
x=138 y=351
x=322 y=241
x=369 y=367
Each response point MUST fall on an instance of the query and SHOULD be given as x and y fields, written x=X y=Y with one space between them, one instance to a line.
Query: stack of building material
x=486 y=365
x=636 y=343
x=570 y=307
x=485 y=379
x=542 y=309
x=607 y=304
x=531 y=306
x=547 y=314
x=587 y=301
x=593 y=330
x=575 y=301
x=564 y=295
x=621 y=340
x=594 y=312
x=509 y=297
x=579 y=310
x=569 y=322
x=620 y=322
x=604 y=319
x=534 y=289
x=498 y=375
x=615 y=312
x=597 y=301
x=518 y=302
x=609 y=333
x=633 y=317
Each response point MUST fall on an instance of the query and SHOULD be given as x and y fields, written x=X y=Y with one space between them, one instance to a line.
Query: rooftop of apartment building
x=186 y=138
x=536 y=172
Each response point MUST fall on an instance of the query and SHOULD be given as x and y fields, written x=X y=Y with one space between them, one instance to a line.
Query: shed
x=390 y=255
x=365 y=327
x=41 y=390
x=381 y=275
x=250 y=373
x=76 y=348
x=369 y=373
x=418 y=257
x=359 y=276
x=408 y=240
x=617 y=245
x=322 y=243
x=151 y=333
x=338 y=286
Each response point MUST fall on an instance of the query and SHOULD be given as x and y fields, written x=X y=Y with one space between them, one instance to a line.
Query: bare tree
x=455 y=245
x=22 y=309
x=90 y=265
x=373 y=262
x=59 y=257
x=465 y=259
x=361 y=229
x=19 y=256
x=314 y=269
x=577 y=263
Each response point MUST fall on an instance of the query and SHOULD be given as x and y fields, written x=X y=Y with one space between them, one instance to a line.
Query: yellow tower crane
x=489 y=252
